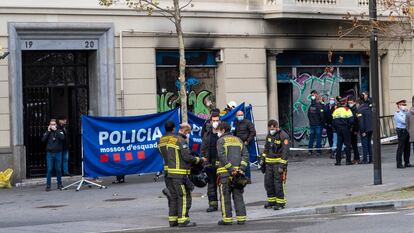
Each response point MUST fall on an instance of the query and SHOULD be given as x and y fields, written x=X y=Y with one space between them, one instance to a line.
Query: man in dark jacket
x=209 y=151
x=364 y=114
x=316 y=122
x=329 y=108
x=246 y=131
x=54 y=139
x=63 y=125
x=354 y=129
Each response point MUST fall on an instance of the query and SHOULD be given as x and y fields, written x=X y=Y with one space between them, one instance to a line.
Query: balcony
x=318 y=9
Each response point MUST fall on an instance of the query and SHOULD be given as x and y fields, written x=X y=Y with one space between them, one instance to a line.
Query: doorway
x=284 y=92
x=55 y=85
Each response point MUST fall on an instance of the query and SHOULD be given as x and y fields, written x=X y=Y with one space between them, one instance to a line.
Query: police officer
x=178 y=162
x=209 y=151
x=354 y=129
x=342 y=122
x=232 y=160
x=328 y=109
x=402 y=133
x=275 y=157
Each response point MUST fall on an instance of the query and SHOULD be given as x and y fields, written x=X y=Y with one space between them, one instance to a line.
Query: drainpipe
x=121 y=67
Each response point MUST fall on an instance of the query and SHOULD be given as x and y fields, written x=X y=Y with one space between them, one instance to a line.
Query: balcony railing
x=308 y=8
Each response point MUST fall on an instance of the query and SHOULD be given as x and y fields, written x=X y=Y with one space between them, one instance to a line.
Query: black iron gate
x=55 y=85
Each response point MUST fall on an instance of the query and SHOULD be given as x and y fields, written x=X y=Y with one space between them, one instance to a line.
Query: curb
x=338 y=209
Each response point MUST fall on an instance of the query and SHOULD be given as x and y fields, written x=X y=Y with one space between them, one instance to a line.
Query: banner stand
x=83 y=180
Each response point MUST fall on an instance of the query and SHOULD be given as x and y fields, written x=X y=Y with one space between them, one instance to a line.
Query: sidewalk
x=139 y=203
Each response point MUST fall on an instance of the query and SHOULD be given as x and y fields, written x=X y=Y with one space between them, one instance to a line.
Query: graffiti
x=327 y=85
x=198 y=103
x=188 y=84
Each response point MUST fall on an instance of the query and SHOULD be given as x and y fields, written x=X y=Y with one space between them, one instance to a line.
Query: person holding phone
x=54 y=139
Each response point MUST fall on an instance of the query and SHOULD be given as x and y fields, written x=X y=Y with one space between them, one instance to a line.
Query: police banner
x=123 y=145
x=198 y=123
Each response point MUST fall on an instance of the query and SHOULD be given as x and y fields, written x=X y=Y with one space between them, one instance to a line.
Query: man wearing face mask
x=209 y=151
x=232 y=161
x=179 y=164
x=328 y=110
x=275 y=157
x=354 y=129
x=246 y=131
x=316 y=122
x=342 y=122
x=402 y=133
x=54 y=139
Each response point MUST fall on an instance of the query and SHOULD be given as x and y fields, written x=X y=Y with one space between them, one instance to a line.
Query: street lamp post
x=375 y=93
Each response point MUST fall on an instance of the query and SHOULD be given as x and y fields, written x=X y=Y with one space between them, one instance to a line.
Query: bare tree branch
x=186 y=5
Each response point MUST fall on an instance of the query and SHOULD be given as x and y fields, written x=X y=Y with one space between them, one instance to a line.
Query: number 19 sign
x=59 y=44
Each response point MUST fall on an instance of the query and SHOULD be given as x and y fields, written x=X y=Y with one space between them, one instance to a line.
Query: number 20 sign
x=59 y=44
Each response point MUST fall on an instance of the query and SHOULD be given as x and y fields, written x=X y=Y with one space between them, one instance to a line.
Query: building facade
x=70 y=58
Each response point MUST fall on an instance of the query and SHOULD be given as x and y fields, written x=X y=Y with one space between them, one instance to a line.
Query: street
x=139 y=204
x=364 y=222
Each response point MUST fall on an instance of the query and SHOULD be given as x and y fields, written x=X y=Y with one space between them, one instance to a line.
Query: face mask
x=215 y=124
x=351 y=105
x=403 y=108
x=219 y=134
x=272 y=132
x=331 y=102
x=240 y=118
x=313 y=97
x=187 y=135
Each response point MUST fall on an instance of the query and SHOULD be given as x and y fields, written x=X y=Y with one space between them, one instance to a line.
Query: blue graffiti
x=191 y=81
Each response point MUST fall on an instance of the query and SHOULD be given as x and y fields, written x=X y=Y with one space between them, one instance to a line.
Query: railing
x=387 y=127
x=324 y=8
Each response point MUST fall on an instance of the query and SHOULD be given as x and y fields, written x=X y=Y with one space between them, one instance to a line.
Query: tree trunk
x=180 y=34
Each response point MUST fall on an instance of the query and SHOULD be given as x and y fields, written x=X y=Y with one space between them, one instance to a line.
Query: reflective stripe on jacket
x=232 y=154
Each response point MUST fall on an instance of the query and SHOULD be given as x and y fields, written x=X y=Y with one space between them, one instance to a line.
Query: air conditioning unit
x=220 y=56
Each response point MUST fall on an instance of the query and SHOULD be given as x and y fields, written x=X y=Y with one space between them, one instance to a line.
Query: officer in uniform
x=403 y=136
x=209 y=151
x=232 y=161
x=342 y=122
x=354 y=129
x=178 y=160
x=275 y=160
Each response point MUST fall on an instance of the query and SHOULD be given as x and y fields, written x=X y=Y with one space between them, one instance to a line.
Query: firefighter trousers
x=274 y=185
x=180 y=202
x=226 y=193
x=212 y=186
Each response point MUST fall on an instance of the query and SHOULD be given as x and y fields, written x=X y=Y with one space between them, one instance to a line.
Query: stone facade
x=248 y=34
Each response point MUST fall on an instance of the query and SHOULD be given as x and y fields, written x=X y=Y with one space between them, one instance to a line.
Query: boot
x=187 y=224
x=223 y=223
x=279 y=207
x=211 y=209
x=173 y=224
x=269 y=205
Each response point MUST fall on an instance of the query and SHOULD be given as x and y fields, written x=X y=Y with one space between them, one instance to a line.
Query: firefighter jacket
x=276 y=149
x=342 y=118
x=176 y=155
x=232 y=154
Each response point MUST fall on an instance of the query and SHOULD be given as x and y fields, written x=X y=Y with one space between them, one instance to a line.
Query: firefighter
x=275 y=160
x=342 y=122
x=178 y=162
x=232 y=161
x=209 y=151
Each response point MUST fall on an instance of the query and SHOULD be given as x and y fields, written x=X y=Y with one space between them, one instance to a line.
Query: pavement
x=139 y=204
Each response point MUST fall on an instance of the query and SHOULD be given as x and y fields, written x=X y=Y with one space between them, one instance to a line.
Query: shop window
x=200 y=81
